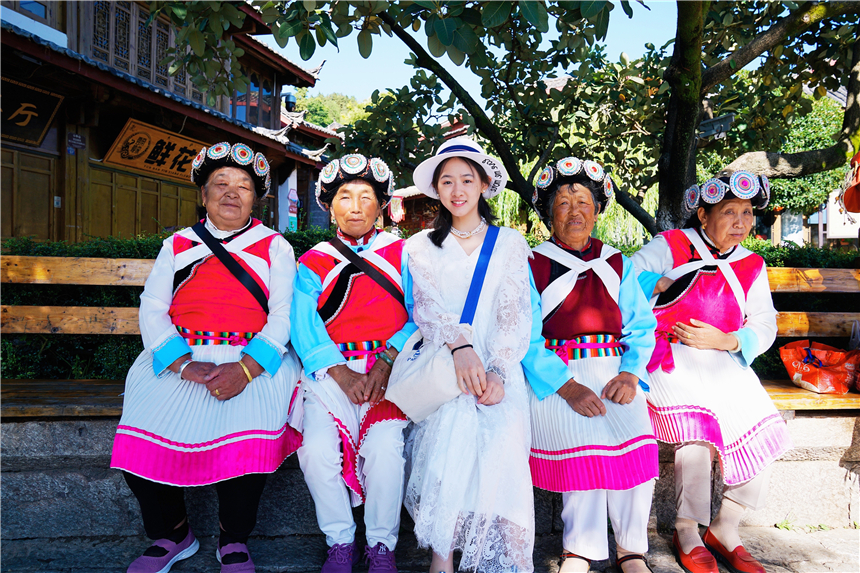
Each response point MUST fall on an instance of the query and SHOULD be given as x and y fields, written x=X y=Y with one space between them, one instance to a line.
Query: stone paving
x=780 y=551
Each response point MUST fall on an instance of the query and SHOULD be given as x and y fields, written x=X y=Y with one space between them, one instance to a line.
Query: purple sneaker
x=380 y=559
x=246 y=566
x=341 y=558
x=175 y=552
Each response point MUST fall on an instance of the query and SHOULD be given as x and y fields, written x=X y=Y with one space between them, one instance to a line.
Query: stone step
x=779 y=551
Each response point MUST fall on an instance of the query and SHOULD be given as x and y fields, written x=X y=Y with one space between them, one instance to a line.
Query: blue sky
x=346 y=72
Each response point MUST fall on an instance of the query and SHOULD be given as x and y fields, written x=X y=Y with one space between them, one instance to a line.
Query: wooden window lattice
x=122 y=39
x=101 y=31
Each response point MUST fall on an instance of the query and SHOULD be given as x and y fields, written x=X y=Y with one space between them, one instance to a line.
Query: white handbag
x=422 y=378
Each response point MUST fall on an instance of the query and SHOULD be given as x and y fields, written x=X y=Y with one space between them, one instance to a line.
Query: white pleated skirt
x=710 y=397
x=173 y=431
x=468 y=481
x=571 y=452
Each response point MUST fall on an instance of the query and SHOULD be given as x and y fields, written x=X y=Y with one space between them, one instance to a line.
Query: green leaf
x=625 y=5
x=307 y=45
x=601 y=27
x=625 y=59
x=445 y=29
x=426 y=4
x=465 y=39
x=329 y=33
x=536 y=14
x=591 y=8
x=320 y=36
x=180 y=12
x=365 y=44
x=456 y=55
x=292 y=28
x=495 y=13
x=435 y=46
x=310 y=5
x=198 y=44
x=416 y=25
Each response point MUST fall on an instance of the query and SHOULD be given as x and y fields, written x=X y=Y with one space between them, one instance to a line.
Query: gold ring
x=217 y=392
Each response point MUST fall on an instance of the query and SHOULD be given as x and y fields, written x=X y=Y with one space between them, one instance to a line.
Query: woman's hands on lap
x=703 y=336
x=228 y=380
x=621 y=389
x=197 y=371
x=471 y=376
x=351 y=382
x=582 y=399
x=377 y=382
x=495 y=390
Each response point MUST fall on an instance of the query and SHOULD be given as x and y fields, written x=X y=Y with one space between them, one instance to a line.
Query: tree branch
x=482 y=122
x=791 y=25
x=631 y=206
x=791 y=165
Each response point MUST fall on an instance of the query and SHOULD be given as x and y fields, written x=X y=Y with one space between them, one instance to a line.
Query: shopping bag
x=820 y=368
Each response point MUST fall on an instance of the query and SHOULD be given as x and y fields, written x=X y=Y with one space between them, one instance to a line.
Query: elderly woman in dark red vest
x=208 y=401
x=592 y=336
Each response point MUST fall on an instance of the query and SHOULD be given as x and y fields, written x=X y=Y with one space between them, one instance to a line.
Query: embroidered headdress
x=568 y=171
x=238 y=155
x=351 y=167
x=740 y=185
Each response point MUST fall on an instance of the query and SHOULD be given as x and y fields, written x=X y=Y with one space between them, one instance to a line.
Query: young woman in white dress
x=469 y=487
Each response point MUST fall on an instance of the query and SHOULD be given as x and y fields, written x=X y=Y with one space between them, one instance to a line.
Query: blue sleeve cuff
x=647 y=281
x=323 y=356
x=264 y=353
x=400 y=338
x=167 y=352
x=749 y=347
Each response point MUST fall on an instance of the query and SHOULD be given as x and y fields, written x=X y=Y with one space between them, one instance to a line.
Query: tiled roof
x=275 y=135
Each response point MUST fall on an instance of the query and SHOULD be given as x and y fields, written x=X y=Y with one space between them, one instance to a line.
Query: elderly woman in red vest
x=209 y=399
x=714 y=316
x=592 y=336
x=352 y=301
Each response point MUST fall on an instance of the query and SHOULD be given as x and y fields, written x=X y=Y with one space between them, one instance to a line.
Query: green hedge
x=37 y=356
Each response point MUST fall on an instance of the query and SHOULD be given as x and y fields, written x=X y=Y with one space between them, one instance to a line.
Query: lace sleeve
x=436 y=324
x=511 y=311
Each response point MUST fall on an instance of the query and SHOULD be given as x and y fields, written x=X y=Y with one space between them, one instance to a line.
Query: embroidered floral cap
x=566 y=171
x=351 y=167
x=740 y=185
x=461 y=147
x=238 y=155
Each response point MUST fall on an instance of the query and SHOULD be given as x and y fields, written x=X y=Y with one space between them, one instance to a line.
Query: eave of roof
x=276 y=60
x=72 y=61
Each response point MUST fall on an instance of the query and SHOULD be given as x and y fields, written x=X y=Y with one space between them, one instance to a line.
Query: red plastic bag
x=819 y=367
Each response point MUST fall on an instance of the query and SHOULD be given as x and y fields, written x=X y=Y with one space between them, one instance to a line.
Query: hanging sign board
x=27 y=111
x=154 y=150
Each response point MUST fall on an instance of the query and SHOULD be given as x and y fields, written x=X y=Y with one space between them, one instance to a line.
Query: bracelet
x=182 y=367
x=245 y=368
x=453 y=350
x=386 y=358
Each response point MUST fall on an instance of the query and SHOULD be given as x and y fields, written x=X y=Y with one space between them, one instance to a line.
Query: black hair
x=578 y=179
x=444 y=221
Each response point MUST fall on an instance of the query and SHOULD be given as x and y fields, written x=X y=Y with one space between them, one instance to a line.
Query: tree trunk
x=677 y=165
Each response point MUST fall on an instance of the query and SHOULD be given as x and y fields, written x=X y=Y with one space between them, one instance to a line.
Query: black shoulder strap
x=368 y=269
x=232 y=265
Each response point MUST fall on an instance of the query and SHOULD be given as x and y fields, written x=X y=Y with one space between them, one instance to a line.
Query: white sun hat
x=461 y=147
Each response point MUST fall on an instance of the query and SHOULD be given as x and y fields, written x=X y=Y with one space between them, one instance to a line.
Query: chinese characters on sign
x=154 y=150
x=27 y=111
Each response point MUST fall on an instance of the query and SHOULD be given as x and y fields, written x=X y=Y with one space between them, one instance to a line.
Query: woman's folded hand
x=495 y=390
x=225 y=380
x=351 y=382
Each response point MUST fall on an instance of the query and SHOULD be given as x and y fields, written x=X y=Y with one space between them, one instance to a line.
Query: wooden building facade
x=97 y=136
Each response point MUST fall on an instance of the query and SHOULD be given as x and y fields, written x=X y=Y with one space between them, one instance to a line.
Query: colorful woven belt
x=589 y=346
x=359 y=350
x=206 y=337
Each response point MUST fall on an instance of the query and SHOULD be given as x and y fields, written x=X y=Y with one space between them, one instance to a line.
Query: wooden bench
x=60 y=398
x=52 y=398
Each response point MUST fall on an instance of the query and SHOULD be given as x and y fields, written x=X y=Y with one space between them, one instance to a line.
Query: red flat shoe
x=737 y=561
x=699 y=560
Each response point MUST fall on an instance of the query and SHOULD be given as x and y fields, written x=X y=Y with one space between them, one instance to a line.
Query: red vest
x=589 y=308
x=365 y=310
x=708 y=297
x=210 y=298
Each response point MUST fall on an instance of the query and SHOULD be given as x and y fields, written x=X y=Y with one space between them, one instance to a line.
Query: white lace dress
x=469 y=486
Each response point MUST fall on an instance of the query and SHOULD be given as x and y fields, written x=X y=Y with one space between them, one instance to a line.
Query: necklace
x=473 y=232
